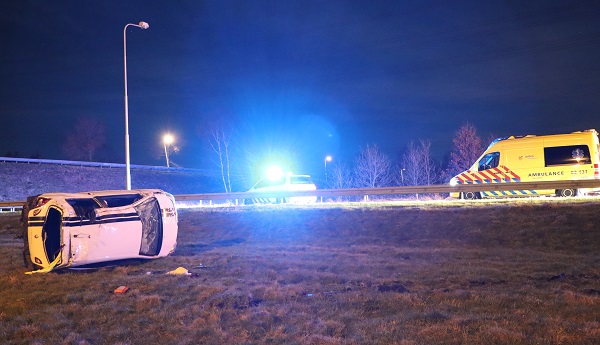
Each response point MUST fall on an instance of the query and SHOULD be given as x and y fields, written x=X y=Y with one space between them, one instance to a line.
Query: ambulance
x=532 y=158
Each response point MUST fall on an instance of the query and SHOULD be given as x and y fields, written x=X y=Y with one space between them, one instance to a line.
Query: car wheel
x=566 y=193
x=470 y=195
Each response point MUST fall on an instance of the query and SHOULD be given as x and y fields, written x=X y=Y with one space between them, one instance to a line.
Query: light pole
x=402 y=175
x=167 y=140
x=142 y=25
x=327 y=159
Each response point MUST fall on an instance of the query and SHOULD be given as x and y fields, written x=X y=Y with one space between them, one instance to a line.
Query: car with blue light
x=283 y=183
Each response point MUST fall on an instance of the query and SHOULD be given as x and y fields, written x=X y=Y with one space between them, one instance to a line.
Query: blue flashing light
x=274 y=173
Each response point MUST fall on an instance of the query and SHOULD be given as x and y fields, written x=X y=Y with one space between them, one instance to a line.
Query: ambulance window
x=561 y=155
x=489 y=161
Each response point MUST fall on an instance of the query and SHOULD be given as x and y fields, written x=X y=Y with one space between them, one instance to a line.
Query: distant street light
x=327 y=159
x=142 y=25
x=402 y=175
x=167 y=140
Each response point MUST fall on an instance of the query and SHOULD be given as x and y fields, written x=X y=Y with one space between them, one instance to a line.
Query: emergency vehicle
x=532 y=158
x=284 y=183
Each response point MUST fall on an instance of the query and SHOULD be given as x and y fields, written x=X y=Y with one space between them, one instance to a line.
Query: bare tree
x=419 y=167
x=340 y=176
x=84 y=141
x=219 y=142
x=430 y=168
x=467 y=148
x=411 y=164
x=373 y=168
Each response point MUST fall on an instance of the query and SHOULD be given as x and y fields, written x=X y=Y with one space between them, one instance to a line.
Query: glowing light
x=274 y=173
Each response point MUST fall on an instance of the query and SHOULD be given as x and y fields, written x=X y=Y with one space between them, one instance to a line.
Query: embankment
x=19 y=180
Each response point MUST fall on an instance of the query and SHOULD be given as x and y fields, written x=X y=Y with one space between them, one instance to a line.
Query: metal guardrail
x=11 y=206
x=95 y=164
x=402 y=190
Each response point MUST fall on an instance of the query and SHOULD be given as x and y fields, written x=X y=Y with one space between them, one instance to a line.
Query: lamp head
x=144 y=25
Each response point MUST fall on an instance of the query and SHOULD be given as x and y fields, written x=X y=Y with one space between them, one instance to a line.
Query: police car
x=283 y=183
x=75 y=229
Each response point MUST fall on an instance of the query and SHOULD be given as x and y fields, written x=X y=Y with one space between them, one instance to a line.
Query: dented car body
x=77 y=229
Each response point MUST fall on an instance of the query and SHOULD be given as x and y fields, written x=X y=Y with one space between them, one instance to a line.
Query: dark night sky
x=313 y=77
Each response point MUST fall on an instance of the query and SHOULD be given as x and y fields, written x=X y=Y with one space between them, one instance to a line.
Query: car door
x=83 y=230
x=106 y=234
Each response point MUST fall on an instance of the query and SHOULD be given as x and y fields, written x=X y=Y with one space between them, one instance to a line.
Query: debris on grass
x=121 y=289
x=180 y=271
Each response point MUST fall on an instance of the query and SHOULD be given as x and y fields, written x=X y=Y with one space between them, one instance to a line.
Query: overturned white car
x=75 y=229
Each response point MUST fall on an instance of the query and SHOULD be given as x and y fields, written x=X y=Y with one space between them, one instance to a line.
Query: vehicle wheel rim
x=568 y=192
x=469 y=195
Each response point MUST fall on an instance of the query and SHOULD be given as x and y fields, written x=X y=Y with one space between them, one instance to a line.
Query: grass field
x=431 y=273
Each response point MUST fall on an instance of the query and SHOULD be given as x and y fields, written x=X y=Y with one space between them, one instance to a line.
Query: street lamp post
x=167 y=140
x=142 y=25
x=327 y=159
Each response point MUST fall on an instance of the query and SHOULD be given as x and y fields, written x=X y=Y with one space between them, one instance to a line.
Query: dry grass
x=417 y=274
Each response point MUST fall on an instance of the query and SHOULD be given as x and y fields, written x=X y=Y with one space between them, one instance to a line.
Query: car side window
x=489 y=161
x=118 y=200
x=84 y=208
x=567 y=155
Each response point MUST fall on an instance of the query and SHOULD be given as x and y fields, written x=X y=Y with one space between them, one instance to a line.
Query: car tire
x=470 y=195
x=566 y=193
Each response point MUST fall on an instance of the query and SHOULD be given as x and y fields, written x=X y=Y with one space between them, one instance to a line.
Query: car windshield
x=270 y=183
